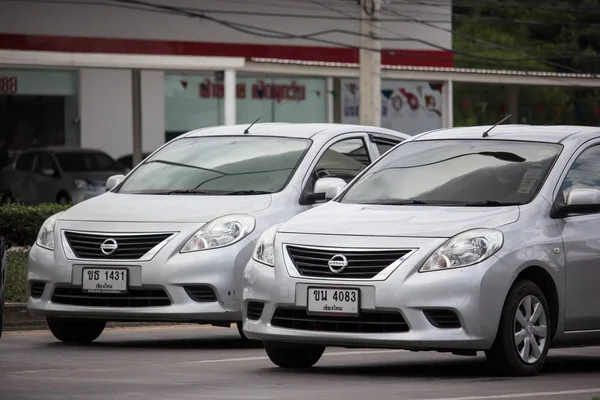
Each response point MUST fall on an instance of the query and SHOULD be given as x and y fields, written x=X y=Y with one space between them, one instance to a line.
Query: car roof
x=292 y=130
x=532 y=133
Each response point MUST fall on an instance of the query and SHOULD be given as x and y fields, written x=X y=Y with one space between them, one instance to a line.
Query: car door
x=581 y=237
x=47 y=178
x=22 y=181
x=343 y=157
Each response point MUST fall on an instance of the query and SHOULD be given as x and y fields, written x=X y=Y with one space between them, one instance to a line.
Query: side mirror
x=581 y=201
x=48 y=172
x=329 y=186
x=114 y=181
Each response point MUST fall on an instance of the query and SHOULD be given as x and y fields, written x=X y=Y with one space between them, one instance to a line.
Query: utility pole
x=370 y=63
x=136 y=102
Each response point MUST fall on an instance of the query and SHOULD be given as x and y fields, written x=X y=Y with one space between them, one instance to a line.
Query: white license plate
x=104 y=280
x=334 y=301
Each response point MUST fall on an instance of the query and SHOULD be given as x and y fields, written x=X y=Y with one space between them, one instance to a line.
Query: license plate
x=334 y=301
x=104 y=280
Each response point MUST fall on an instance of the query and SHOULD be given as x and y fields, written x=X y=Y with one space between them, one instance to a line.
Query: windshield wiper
x=245 y=192
x=491 y=203
x=186 y=191
x=392 y=202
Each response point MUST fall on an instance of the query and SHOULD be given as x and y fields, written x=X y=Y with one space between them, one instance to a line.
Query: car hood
x=408 y=221
x=116 y=207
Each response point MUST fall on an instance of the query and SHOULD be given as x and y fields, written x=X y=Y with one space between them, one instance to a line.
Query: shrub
x=20 y=224
x=16 y=277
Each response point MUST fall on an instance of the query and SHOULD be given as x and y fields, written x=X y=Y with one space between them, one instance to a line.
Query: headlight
x=82 y=184
x=465 y=249
x=45 y=236
x=263 y=253
x=220 y=232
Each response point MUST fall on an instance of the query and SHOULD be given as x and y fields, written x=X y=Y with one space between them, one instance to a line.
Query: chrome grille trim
x=70 y=253
x=382 y=274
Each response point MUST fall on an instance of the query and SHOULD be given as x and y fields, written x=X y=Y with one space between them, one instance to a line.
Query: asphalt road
x=191 y=362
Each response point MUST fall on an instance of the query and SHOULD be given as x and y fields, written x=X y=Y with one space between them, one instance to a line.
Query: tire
x=63 y=199
x=287 y=355
x=508 y=353
x=76 y=331
x=240 y=328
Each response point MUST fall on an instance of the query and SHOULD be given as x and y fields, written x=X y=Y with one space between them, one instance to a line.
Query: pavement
x=186 y=362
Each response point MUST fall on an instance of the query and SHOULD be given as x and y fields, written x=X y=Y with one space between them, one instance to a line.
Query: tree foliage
x=555 y=35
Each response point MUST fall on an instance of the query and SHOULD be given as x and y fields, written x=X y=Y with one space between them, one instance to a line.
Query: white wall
x=153 y=110
x=105 y=109
x=93 y=20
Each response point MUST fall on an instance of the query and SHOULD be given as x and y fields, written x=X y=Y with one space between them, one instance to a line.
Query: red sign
x=260 y=90
x=9 y=85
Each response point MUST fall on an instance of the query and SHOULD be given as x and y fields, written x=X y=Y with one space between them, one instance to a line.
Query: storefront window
x=37 y=108
x=410 y=107
x=196 y=101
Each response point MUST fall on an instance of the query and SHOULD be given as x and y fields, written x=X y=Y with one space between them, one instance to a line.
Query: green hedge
x=20 y=224
x=16 y=277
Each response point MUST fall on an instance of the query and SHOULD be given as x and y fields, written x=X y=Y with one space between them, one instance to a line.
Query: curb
x=18 y=318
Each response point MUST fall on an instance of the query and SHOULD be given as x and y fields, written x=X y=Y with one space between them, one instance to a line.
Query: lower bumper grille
x=444 y=319
x=135 y=297
x=255 y=309
x=201 y=293
x=366 y=322
x=37 y=289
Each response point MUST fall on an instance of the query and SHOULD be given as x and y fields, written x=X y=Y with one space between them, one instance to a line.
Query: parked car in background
x=56 y=174
x=456 y=241
x=170 y=241
x=127 y=160
x=3 y=268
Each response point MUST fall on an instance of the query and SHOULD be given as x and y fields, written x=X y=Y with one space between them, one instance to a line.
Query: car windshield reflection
x=466 y=173
x=224 y=165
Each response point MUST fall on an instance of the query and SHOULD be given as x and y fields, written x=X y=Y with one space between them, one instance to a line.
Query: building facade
x=92 y=106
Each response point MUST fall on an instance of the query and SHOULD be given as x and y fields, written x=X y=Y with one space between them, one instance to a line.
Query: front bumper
x=398 y=311
x=202 y=287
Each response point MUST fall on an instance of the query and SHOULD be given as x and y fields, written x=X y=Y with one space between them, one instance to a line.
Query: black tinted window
x=44 y=161
x=383 y=147
x=585 y=171
x=25 y=162
x=90 y=161
x=456 y=172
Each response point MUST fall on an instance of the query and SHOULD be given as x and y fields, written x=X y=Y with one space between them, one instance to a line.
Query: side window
x=25 y=162
x=584 y=172
x=44 y=162
x=344 y=159
x=383 y=147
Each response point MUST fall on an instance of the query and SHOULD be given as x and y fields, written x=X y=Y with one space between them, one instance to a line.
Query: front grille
x=135 y=297
x=362 y=264
x=255 y=309
x=37 y=289
x=366 y=322
x=444 y=319
x=201 y=293
x=129 y=247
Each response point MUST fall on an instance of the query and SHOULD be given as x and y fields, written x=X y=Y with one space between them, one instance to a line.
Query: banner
x=409 y=107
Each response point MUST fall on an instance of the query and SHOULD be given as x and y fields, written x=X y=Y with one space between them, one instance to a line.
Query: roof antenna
x=485 y=134
x=262 y=116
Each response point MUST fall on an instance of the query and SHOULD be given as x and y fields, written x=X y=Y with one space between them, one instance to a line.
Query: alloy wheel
x=530 y=329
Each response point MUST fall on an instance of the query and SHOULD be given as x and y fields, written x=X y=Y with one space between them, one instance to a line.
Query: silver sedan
x=456 y=241
x=169 y=242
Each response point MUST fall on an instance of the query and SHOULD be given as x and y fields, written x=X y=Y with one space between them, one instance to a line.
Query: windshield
x=86 y=162
x=456 y=172
x=219 y=165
